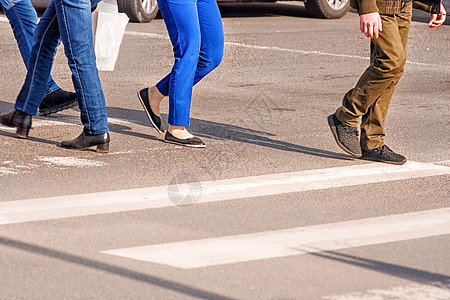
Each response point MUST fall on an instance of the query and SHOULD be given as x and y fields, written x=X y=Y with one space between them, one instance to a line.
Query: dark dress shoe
x=57 y=101
x=19 y=119
x=84 y=141
x=193 y=142
x=154 y=119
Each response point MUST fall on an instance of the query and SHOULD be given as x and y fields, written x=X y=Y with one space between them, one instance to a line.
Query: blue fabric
x=71 y=21
x=196 y=33
x=23 y=18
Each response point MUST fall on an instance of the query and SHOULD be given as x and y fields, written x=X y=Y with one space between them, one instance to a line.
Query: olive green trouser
x=372 y=94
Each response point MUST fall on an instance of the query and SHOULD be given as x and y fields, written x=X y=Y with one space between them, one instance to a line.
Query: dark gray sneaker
x=384 y=154
x=347 y=137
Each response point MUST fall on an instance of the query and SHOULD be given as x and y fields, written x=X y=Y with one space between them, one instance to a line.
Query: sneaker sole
x=385 y=161
x=333 y=130
x=58 y=108
x=148 y=115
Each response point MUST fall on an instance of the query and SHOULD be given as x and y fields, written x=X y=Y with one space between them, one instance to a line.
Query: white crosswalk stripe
x=294 y=241
x=213 y=191
x=431 y=291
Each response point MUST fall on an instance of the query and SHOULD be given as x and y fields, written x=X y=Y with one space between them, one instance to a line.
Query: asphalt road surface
x=271 y=209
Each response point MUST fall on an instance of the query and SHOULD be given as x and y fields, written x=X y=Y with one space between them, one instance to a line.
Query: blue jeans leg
x=23 y=18
x=195 y=29
x=71 y=20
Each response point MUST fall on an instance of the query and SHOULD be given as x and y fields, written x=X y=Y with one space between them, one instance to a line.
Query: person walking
x=23 y=19
x=196 y=32
x=387 y=23
x=72 y=22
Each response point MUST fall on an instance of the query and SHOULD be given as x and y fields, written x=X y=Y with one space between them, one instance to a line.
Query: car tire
x=141 y=11
x=327 y=9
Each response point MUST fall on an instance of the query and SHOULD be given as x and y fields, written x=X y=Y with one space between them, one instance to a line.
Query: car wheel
x=328 y=9
x=142 y=11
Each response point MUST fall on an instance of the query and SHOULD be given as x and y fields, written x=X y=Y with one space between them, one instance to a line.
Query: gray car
x=143 y=11
x=146 y=10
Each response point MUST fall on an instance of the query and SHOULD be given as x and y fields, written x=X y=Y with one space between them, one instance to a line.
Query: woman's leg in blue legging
x=182 y=23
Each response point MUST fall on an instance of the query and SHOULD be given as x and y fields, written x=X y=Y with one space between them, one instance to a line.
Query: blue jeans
x=195 y=29
x=23 y=18
x=71 y=21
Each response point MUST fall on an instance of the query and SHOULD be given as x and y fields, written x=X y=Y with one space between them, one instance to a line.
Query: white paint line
x=274 y=48
x=321 y=53
x=7 y=171
x=211 y=191
x=294 y=241
x=7 y=128
x=444 y=163
x=72 y=162
x=66 y=121
x=147 y=34
x=431 y=291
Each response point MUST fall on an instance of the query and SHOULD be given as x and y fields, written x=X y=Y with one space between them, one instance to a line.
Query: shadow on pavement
x=221 y=131
x=5 y=106
x=202 y=128
x=411 y=274
x=30 y=138
x=112 y=269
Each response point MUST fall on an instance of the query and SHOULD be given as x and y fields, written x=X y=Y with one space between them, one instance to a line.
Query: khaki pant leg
x=388 y=57
x=372 y=125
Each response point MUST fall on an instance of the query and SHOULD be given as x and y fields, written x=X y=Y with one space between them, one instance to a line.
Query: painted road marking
x=12 y=168
x=431 y=291
x=65 y=120
x=293 y=241
x=211 y=191
x=274 y=48
x=68 y=161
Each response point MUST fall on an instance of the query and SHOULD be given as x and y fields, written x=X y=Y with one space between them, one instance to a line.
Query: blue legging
x=195 y=29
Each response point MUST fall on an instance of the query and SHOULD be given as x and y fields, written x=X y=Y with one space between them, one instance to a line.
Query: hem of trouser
x=171 y=122
x=353 y=120
x=51 y=90
x=90 y=132
x=159 y=90
x=18 y=107
x=364 y=146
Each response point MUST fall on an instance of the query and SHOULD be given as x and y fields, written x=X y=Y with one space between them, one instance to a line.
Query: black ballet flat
x=20 y=120
x=193 y=142
x=84 y=141
x=154 y=119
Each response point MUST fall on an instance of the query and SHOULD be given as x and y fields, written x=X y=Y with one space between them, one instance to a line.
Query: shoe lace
x=385 y=149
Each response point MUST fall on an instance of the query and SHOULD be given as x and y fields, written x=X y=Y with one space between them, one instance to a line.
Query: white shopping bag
x=108 y=27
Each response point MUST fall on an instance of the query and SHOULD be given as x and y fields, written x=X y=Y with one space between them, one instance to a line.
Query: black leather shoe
x=193 y=142
x=57 y=101
x=154 y=119
x=19 y=119
x=84 y=141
